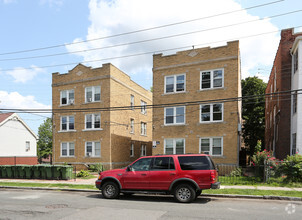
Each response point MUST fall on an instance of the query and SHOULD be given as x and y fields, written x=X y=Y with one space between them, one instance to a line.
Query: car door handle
x=143 y=174
x=172 y=174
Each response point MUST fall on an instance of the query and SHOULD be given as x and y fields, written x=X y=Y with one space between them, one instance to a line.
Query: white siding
x=13 y=137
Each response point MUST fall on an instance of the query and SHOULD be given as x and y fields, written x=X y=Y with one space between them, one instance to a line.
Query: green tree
x=253 y=112
x=44 y=146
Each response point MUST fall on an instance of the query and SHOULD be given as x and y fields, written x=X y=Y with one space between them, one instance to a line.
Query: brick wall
x=18 y=160
x=191 y=63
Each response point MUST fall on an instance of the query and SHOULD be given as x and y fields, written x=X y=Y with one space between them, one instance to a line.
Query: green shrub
x=292 y=168
x=236 y=172
x=96 y=167
x=83 y=173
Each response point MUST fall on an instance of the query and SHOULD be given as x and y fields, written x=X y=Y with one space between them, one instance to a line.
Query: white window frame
x=143 y=107
x=93 y=121
x=132 y=102
x=174 y=144
x=68 y=148
x=93 y=88
x=144 y=128
x=211 y=113
x=212 y=79
x=211 y=145
x=143 y=150
x=93 y=143
x=174 y=115
x=132 y=150
x=175 y=83
x=131 y=125
x=69 y=100
x=67 y=123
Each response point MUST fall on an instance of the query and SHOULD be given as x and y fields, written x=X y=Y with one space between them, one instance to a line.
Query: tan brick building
x=189 y=85
x=89 y=127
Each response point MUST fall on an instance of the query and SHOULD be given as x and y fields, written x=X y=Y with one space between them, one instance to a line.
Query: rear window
x=195 y=163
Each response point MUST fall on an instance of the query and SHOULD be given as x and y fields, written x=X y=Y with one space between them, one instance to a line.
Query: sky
x=40 y=37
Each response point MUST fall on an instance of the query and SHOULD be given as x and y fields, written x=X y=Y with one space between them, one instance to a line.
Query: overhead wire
x=141 y=30
x=153 y=39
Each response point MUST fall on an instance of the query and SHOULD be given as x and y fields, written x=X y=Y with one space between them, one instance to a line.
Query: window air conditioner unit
x=88 y=154
x=71 y=101
x=89 y=99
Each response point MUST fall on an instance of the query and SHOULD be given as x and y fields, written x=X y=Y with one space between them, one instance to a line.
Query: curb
x=234 y=196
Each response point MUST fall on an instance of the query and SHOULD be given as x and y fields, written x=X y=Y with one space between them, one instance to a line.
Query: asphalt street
x=38 y=204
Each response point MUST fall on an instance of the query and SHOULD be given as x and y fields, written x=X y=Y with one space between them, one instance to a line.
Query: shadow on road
x=151 y=198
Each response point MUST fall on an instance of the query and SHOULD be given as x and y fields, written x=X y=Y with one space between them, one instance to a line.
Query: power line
x=153 y=39
x=150 y=52
x=121 y=108
x=142 y=30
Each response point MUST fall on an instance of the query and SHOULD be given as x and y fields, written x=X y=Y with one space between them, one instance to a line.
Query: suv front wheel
x=184 y=193
x=110 y=190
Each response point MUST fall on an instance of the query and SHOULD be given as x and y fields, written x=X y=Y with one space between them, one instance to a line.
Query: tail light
x=213 y=176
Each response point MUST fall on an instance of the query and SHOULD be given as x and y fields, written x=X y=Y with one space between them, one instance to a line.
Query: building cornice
x=196 y=63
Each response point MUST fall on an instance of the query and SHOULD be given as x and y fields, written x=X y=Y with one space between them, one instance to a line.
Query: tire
x=184 y=193
x=198 y=192
x=110 y=190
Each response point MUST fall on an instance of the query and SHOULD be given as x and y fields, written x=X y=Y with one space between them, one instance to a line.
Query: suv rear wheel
x=110 y=190
x=184 y=193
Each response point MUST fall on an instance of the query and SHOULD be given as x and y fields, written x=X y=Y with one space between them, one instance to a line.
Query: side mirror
x=128 y=168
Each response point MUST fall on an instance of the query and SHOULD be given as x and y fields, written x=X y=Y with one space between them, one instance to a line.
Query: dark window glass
x=141 y=165
x=163 y=163
x=195 y=163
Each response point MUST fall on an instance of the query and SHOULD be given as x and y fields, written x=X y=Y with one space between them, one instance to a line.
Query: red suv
x=184 y=176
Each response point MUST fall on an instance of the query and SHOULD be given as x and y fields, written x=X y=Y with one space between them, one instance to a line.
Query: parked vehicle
x=184 y=176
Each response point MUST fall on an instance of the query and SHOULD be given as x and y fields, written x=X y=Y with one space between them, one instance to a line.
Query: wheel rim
x=184 y=193
x=110 y=190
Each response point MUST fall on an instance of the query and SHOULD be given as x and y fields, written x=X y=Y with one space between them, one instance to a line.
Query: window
x=141 y=165
x=67 y=149
x=212 y=146
x=27 y=145
x=67 y=97
x=294 y=142
x=163 y=163
x=67 y=123
x=93 y=121
x=144 y=150
x=131 y=125
x=175 y=115
x=132 y=102
x=143 y=107
x=175 y=83
x=93 y=94
x=296 y=62
x=93 y=149
x=295 y=102
x=211 y=113
x=196 y=163
x=174 y=146
x=143 y=128
x=211 y=79
x=132 y=150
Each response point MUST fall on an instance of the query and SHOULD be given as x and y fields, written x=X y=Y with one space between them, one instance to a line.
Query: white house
x=18 y=143
x=296 y=119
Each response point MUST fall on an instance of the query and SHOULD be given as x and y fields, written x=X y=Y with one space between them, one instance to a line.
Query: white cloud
x=15 y=100
x=23 y=75
x=118 y=16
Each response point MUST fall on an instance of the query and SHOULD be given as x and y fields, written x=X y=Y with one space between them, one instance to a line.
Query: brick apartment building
x=198 y=76
x=85 y=131
x=281 y=119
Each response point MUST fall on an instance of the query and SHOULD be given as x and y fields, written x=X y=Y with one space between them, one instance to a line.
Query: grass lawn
x=255 y=192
